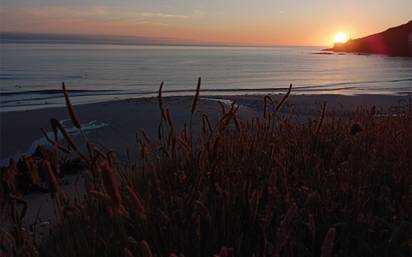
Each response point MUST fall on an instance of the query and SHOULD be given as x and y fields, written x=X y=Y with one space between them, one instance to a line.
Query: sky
x=244 y=22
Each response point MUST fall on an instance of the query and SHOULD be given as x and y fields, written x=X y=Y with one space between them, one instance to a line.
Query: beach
x=205 y=128
x=114 y=124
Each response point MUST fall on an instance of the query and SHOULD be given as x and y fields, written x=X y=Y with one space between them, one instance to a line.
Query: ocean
x=31 y=74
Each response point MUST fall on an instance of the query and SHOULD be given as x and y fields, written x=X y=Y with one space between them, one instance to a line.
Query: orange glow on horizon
x=341 y=37
x=192 y=26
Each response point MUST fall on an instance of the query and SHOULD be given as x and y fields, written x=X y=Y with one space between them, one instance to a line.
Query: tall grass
x=339 y=186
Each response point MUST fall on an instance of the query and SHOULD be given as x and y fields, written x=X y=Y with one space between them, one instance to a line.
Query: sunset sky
x=267 y=22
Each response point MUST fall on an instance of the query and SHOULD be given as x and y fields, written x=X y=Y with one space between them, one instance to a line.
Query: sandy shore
x=114 y=124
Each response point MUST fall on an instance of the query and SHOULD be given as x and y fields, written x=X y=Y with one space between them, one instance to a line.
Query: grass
x=271 y=186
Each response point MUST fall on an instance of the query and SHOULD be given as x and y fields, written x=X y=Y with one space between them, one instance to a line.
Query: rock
x=396 y=41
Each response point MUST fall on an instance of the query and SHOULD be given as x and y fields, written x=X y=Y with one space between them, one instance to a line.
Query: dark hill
x=396 y=41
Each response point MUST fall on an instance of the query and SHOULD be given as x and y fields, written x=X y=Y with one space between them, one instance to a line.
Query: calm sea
x=31 y=74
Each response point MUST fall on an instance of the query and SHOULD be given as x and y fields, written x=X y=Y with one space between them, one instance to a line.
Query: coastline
x=114 y=124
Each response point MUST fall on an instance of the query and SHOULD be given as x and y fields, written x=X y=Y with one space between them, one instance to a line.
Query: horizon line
x=98 y=39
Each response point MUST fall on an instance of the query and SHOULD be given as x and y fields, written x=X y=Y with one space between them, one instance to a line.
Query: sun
x=341 y=37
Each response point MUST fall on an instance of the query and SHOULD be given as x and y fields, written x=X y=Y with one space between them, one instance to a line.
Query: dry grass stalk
x=184 y=144
x=184 y=133
x=99 y=195
x=54 y=143
x=111 y=186
x=203 y=210
x=146 y=251
x=137 y=202
x=169 y=118
x=222 y=107
x=144 y=151
x=160 y=100
x=312 y=225
x=196 y=97
x=9 y=178
x=279 y=106
x=321 y=119
x=58 y=127
x=312 y=200
x=53 y=182
x=266 y=98
x=146 y=136
x=170 y=138
x=225 y=120
x=69 y=106
x=285 y=229
x=207 y=127
x=226 y=252
x=216 y=144
x=328 y=243
x=237 y=123
x=18 y=200
x=128 y=253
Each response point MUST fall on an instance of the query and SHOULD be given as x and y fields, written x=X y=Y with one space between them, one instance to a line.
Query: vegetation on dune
x=271 y=186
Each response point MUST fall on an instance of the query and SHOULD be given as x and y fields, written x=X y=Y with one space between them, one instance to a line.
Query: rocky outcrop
x=396 y=41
